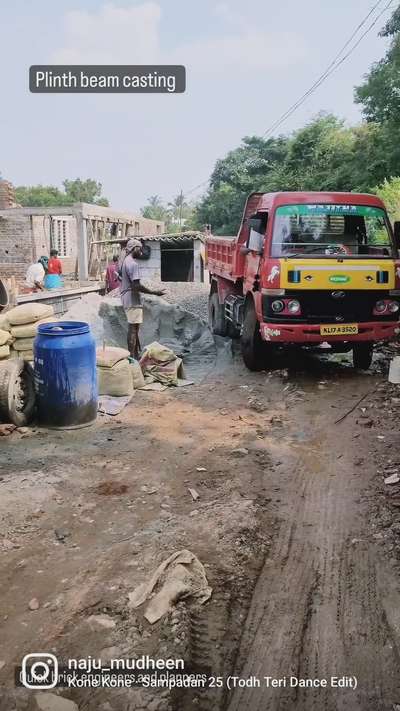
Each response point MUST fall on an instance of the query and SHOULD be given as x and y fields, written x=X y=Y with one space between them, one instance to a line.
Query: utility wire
x=334 y=64
x=196 y=187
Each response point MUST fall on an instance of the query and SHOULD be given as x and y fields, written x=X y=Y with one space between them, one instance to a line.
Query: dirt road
x=326 y=603
x=288 y=524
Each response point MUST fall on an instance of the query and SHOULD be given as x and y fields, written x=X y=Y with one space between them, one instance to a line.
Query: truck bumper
x=306 y=333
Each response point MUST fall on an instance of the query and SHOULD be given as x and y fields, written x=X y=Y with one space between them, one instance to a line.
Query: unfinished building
x=82 y=233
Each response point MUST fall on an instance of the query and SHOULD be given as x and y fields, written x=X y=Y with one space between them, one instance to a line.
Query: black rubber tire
x=362 y=355
x=216 y=316
x=17 y=395
x=254 y=350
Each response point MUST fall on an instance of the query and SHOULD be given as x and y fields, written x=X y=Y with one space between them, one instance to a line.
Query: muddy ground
x=297 y=532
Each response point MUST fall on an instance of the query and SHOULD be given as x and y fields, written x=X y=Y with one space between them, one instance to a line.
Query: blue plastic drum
x=65 y=375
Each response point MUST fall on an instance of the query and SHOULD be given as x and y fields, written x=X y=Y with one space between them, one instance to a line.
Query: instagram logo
x=39 y=670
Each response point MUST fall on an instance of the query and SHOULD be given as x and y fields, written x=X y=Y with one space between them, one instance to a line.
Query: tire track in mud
x=318 y=609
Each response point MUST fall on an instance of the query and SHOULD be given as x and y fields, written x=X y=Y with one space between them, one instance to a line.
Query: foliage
x=380 y=93
x=177 y=214
x=389 y=192
x=85 y=191
x=155 y=209
x=39 y=196
x=323 y=155
x=48 y=195
x=320 y=156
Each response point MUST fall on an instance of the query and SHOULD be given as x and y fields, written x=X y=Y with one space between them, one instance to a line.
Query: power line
x=334 y=64
x=196 y=187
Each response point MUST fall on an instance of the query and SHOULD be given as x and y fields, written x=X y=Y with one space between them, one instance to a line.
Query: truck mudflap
x=335 y=332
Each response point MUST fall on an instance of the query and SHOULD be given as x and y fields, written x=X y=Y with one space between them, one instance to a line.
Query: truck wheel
x=254 y=349
x=362 y=355
x=216 y=316
x=17 y=396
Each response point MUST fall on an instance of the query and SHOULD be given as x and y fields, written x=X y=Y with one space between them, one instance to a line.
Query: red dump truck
x=307 y=268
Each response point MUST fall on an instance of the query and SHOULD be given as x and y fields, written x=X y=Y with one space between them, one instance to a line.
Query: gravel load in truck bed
x=190 y=296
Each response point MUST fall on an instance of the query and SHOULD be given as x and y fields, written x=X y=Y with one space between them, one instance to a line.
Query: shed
x=175 y=256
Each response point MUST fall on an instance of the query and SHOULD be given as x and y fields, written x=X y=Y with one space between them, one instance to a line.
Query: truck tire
x=254 y=350
x=17 y=395
x=216 y=316
x=362 y=355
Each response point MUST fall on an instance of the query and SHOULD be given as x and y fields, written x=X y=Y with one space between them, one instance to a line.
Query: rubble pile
x=190 y=296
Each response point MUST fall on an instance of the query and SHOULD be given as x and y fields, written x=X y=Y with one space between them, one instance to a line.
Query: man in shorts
x=131 y=289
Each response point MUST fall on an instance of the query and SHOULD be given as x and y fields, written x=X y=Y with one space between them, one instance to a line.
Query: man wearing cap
x=131 y=288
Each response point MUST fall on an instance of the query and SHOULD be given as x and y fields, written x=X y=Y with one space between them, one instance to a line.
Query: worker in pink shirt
x=112 y=278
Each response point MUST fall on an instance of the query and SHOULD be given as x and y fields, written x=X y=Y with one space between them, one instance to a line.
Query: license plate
x=334 y=329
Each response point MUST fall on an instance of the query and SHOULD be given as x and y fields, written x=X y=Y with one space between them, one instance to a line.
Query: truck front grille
x=322 y=306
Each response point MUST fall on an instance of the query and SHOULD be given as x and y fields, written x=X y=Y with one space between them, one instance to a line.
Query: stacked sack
x=116 y=375
x=5 y=338
x=23 y=322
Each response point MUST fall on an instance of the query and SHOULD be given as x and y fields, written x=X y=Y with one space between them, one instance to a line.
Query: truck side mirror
x=397 y=235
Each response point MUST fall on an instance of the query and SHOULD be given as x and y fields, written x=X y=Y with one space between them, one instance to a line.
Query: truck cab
x=307 y=268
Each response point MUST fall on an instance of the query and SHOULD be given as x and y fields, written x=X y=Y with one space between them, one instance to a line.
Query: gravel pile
x=190 y=296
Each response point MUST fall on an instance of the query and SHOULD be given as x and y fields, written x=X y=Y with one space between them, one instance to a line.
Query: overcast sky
x=247 y=62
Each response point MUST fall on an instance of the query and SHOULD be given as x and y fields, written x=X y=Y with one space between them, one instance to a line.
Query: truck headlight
x=277 y=305
x=293 y=306
x=393 y=307
x=380 y=307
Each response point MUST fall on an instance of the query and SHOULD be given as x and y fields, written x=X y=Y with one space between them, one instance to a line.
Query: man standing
x=55 y=266
x=112 y=278
x=131 y=288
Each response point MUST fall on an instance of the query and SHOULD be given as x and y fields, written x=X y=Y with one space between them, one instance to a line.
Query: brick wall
x=145 y=226
x=24 y=239
x=7 y=195
x=42 y=228
x=15 y=246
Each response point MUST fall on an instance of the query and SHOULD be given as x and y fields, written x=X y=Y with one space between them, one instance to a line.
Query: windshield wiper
x=313 y=250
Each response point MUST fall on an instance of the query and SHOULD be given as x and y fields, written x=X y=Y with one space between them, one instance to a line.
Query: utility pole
x=180 y=209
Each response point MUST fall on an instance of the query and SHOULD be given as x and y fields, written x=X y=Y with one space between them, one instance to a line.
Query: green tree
x=320 y=156
x=380 y=93
x=85 y=191
x=389 y=192
x=40 y=196
x=49 y=195
x=255 y=165
x=155 y=209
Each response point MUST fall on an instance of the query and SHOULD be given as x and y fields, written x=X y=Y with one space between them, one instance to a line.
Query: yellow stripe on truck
x=331 y=274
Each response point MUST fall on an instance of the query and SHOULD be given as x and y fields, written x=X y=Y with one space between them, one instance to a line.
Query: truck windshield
x=331 y=230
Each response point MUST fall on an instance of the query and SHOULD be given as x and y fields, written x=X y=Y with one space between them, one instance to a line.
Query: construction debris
x=46 y=701
x=97 y=622
x=392 y=479
x=34 y=604
x=6 y=430
x=160 y=364
x=239 y=452
x=194 y=494
x=181 y=576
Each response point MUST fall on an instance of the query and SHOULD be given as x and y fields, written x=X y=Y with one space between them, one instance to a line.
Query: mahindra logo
x=338 y=294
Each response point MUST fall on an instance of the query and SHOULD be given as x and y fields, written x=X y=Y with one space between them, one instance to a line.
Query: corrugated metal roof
x=175 y=237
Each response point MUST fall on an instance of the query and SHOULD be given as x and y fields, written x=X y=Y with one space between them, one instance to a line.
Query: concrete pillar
x=196 y=260
x=83 y=256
